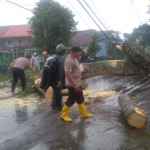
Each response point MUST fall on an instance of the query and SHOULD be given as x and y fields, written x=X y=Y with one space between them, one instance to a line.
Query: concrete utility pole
x=13 y=49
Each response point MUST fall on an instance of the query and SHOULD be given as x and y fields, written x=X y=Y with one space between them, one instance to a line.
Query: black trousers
x=74 y=96
x=18 y=74
x=57 y=97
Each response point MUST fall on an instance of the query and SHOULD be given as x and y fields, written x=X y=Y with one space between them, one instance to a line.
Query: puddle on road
x=15 y=111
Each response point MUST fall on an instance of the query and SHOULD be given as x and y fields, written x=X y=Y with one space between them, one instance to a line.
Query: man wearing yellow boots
x=73 y=83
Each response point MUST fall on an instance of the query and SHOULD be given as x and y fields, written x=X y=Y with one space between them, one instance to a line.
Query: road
x=30 y=123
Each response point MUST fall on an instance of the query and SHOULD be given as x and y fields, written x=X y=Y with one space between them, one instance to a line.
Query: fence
x=3 y=68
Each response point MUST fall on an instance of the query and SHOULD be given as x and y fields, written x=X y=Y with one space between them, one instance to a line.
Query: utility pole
x=13 y=48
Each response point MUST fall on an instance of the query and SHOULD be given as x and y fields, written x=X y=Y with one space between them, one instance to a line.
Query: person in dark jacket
x=83 y=57
x=54 y=76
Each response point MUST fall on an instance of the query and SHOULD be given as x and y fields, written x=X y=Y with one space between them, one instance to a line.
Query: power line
x=19 y=4
x=92 y=17
x=97 y=24
x=78 y=14
x=41 y=15
x=136 y=11
x=97 y=18
x=100 y=14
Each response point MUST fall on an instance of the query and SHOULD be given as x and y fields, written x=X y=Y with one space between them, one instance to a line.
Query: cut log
x=109 y=67
x=134 y=115
x=48 y=94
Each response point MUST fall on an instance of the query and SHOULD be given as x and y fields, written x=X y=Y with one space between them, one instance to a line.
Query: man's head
x=35 y=54
x=83 y=50
x=76 y=51
x=28 y=57
x=44 y=53
x=60 y=49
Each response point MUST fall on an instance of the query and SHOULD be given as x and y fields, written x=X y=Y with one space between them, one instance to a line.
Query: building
x=14 y=40
x=107 y=47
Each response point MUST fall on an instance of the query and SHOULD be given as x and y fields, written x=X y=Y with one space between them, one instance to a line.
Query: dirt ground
x=29 y=123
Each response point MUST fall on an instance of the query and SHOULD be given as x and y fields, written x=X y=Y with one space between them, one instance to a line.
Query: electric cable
x=99 y=26
x=19 y=3
x=100 y=14
x=79 y=15
x=136 y=12
x=38 y=15
x=97 y=17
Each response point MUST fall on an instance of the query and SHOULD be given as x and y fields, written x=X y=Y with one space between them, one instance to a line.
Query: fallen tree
x=110 y=67
x=133 y=114
x=136 y=54
x=49 y=93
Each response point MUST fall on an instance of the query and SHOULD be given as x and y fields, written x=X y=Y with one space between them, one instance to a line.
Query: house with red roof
x=14 y=40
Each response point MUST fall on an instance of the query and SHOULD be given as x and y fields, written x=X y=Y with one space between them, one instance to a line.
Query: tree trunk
x=45 y=37
x=109 y=67
x=48 y=94
x=133 y=114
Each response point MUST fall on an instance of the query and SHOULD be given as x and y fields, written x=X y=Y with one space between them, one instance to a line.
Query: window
x=19 y=42
x=9 y=42
x=1 y=42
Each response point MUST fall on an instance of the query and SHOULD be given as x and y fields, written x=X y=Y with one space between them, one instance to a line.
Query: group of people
x=59 y=74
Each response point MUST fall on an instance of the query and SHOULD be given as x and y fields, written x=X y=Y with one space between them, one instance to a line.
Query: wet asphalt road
x=30 y=124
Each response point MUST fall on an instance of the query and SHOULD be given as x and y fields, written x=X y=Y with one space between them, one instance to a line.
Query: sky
x=118 y=15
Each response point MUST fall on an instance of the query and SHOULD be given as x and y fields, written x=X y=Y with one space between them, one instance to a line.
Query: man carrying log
x=73 y=83
x=53 y=75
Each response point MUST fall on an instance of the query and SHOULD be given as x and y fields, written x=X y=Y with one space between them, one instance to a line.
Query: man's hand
x=8 y=69
x=38 y=76
x=77 y=89
x=59 y=84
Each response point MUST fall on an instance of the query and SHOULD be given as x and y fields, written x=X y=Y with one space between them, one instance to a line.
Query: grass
x=129 y=146
x=30 y=78
x=5 y=76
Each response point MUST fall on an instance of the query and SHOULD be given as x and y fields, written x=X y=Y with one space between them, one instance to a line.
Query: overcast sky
x=119 y=15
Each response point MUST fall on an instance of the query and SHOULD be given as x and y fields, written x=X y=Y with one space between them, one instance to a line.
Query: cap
x=35 y=53
x=28 y=56
x=44 y=53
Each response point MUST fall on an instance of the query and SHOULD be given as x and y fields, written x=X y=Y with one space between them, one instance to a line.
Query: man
x=53 y=75
x=18 y=67
x=45 y=54
x=83 y=57
x=73 y=83
x=35 y=62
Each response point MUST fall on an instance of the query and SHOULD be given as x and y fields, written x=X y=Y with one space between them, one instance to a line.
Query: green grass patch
x=30 y=79
x=6 y=76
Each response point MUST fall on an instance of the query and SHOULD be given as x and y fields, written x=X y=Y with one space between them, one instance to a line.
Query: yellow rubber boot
x=64 y=114
x=83 y=112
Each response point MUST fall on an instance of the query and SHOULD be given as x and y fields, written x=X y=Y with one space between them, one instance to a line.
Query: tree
x=140 y=33
x=93 y=47
x=52 y=24
x=142 y=43
x=126 y=36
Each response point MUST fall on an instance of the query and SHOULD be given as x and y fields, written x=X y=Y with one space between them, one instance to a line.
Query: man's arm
x=69 y=77
x=11 y=65
x=60 y=71
x=31 y=68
